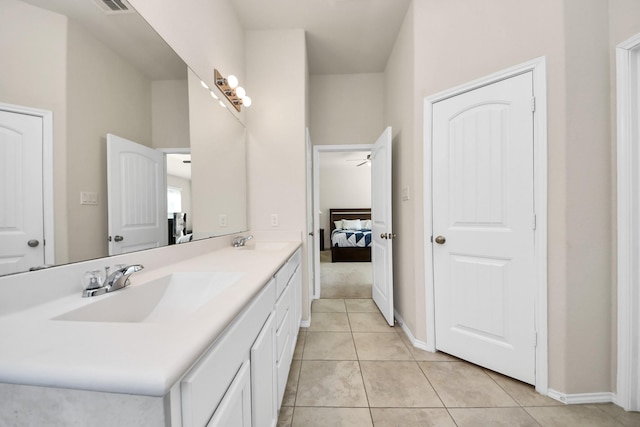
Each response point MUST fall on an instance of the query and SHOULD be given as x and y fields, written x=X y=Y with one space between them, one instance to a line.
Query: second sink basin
x=166 y=299
x=265 y=246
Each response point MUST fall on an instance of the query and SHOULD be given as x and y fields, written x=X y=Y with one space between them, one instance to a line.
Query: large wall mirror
x=101 y=73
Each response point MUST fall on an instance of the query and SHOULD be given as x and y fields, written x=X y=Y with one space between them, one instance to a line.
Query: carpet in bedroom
x=344 y=279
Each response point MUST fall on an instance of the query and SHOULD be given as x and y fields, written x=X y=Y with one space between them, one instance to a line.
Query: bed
x=348 y=243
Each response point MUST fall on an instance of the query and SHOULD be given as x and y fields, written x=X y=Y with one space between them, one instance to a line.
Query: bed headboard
x=338 y=214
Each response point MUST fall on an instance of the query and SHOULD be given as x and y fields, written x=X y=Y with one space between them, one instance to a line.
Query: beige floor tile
x=331 y=383
x=522 y=393
x=572 y=416
x=351 y=290
x=361 y=305
x=323 y=417
x=285 y=416
x=329 y=322
x=328 y=306
x=369 y=322
x=627 y=419
x=461 y=384
x=411 y=417
x=291 y=389
x=297 y=353
x=397 y=384
x=423 y=355
x=380 y=346
x=494 y=417
x=329 y=346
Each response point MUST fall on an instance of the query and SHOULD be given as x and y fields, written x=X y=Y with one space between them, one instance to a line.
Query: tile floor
x=351 y=369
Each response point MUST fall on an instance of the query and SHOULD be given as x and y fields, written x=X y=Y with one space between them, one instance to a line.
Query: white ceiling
x=343 y=36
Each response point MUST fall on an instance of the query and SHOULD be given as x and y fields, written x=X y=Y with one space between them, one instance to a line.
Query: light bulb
x=213 y=95
x=246 y=101
x=240 y=92
x=232 y=81
x=204 y=85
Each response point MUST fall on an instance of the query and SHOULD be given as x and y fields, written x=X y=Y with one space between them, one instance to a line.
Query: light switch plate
x=274 y=220
x=88 y=198
x=222 y=220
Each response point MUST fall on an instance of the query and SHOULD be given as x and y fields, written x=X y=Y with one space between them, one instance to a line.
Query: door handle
x=311 y=234
x=383 y=235
x=118 y=238
x=33 y=243
x=440 y=240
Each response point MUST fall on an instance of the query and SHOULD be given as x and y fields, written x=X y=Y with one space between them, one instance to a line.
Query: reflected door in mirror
x=21 y=225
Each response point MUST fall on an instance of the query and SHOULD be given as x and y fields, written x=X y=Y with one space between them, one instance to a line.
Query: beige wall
x=346 y=108
x=485 y=38
x=98 y=80
x=170 y=114
x=399 y=114
x=218 y=159
x=206 y=34
x=276 y=126
x=43 y=47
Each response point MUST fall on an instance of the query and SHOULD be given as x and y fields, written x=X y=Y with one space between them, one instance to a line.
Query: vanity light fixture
x=236 y=95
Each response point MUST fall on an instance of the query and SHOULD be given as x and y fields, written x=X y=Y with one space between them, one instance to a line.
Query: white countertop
x=133 y=358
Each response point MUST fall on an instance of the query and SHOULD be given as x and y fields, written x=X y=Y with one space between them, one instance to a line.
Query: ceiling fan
x=363 y=161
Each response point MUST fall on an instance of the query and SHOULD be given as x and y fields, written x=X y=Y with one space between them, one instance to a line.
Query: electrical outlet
x=222 y=220
x=274 y=220
x=405 y=194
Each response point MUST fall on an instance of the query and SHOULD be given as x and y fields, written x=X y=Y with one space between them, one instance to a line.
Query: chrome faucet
x=241 y=240
x=114 y=281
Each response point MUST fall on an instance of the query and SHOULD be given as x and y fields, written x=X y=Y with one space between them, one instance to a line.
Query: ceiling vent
x=111 y=7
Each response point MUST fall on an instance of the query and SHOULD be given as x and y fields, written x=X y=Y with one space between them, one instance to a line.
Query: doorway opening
x=342 y=185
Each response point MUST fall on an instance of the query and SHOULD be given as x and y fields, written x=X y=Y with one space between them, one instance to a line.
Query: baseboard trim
x=414 y=341
x=582 y=398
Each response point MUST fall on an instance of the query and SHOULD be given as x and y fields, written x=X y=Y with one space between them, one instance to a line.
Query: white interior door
x=381 y=229
x=483 y=226
x=312 y=225
x=21 y=192
x=137 y=192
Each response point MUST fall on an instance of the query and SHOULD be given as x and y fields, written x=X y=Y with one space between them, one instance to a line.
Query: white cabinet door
x=264 y=410
x=235 y=408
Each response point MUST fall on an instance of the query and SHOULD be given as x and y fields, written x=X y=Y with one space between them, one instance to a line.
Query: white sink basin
x=265 y=246
x=166 y=299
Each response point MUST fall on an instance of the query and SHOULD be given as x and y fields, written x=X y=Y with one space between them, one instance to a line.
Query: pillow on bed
x=366 y=224
x=351 y=224
x=338 y=224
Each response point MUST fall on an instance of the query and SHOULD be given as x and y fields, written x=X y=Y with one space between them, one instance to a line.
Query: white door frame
x=47 y=175
x=317 y=149
x=628 y=139
x=538 y=68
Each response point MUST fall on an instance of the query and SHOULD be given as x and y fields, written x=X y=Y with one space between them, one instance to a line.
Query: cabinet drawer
x=282 y=337
x=282 y=367
x=206 y=383
x=282 y=306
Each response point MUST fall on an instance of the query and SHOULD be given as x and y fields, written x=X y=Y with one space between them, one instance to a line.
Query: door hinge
x=535 y=339
x=533 y=103
x=431 y=239
x=534 y=222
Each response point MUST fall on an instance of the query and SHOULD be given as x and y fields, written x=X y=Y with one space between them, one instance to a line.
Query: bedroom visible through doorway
x=344 y=218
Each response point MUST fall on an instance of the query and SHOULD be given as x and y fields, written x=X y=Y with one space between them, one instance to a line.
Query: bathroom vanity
x=206 y=341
